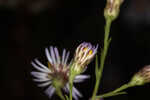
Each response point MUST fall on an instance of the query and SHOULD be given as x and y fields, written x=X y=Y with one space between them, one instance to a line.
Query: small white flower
x=56 y=75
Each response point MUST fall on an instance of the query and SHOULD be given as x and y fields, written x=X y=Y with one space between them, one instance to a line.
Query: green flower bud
x=112 y=9
x=142 y=77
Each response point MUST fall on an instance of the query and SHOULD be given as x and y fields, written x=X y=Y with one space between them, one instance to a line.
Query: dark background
x=28 y=26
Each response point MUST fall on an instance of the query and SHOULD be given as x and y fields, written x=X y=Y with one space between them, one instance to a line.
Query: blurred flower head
x=112 y=8
x=56 y=75
x=84 y=54
x=142 y=77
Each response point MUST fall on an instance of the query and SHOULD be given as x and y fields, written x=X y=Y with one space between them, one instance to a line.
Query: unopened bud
x=112 y=9
x=142 y=77
x=85 y=52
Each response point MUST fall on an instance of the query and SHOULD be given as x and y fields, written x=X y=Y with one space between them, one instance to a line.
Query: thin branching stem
x=117 y=91
x=103 y=56
x=110 y=94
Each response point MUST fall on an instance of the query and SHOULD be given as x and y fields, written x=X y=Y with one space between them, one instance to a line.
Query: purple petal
x=48 y=56
x=44 y=84
x=52 y=54
x=77 y=92
x=43 y=66
x=82 y=77
x=63 y=56
x=39 y=75
x=50 y=91
x=39 y=68
x=66 y=59
x=74 y=96
x=41 y=79
x=57 y=55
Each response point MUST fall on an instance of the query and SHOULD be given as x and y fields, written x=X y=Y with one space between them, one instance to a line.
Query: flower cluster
x=56 y=74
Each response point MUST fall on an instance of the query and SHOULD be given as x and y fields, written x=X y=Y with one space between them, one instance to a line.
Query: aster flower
x=56 y=75
x=84 y=54
x=142 y=77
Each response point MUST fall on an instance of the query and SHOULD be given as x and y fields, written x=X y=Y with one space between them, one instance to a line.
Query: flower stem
x=103 y=56
x=125 y=86
x=115 y=92
x=71 y=78
x=110 y=94
x=59 y=93
x=70 y=87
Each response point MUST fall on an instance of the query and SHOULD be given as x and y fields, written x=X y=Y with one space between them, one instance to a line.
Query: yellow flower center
x=84 y=49
x=90 y=52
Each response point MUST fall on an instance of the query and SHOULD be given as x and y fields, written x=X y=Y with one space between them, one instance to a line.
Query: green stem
x=59 y=93
x=103 y=56
x=110 y=94
x=123 y=87
x=115 y=92
x=70 y=87
x=71 y=78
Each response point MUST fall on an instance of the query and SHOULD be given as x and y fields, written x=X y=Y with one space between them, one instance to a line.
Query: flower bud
x=85 y=52
x=112 y=9
x=142 y=77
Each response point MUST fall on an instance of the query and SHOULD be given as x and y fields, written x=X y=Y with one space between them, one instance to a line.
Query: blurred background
x=28 y=26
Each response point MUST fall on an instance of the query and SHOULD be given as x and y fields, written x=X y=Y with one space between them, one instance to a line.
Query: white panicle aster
x=56 y=74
